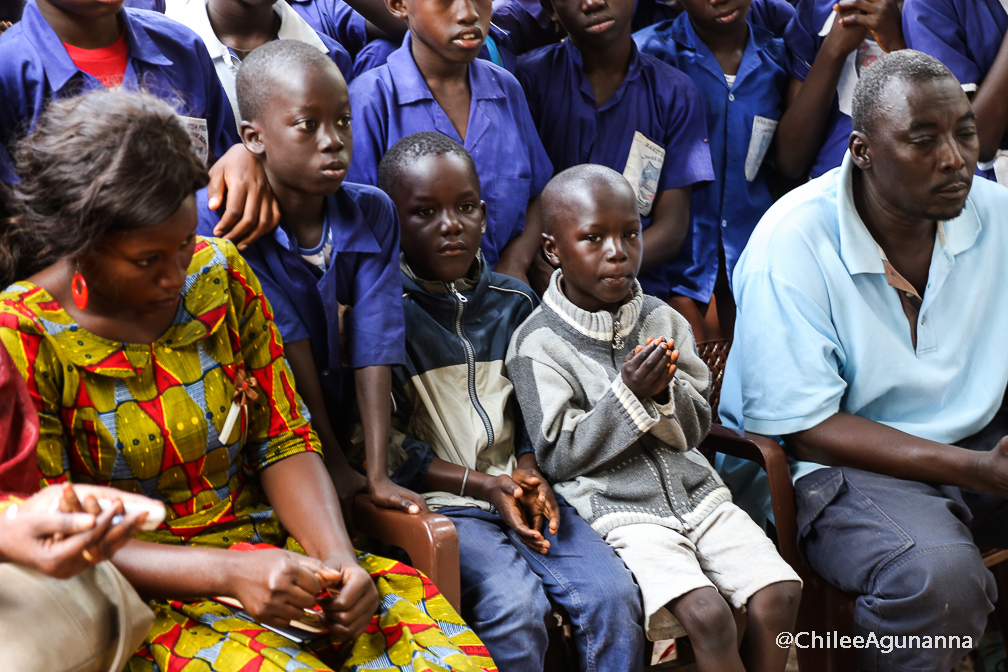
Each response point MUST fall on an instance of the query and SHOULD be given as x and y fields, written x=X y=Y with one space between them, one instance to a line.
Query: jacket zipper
x=661 y=477
x=470 y=363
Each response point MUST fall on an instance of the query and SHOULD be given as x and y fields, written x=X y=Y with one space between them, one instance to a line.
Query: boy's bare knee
x=775 y=604
x=706 y=617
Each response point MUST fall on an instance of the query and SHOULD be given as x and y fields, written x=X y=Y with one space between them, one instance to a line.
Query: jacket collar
x=476 y=281
x=597 y=325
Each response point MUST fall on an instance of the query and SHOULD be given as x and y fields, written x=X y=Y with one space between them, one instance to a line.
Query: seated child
x=62 y=48
x=330 y=270
x=230 y=29
x=828 y=50
x=615 y=399
x=971 y=38
x=434 y=82
x=475 y=463
x=643 y=119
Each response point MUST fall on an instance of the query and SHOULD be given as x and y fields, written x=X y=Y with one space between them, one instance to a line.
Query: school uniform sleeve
x=687 y=151
x=339 y=56
x=336 y=19
x=802 y=39
x=375 y=326
x=542 y=169
x=774 y=15
x=932 y=26
x=374 y=54
x=369 y=102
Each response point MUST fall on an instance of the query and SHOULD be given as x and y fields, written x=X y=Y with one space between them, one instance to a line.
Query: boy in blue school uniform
x=330 y=270
x=239 y=27
x=434 y=82
x=828 y=49
x=520 y=549
x=643 y=119
x=163 y=57
x=968 y=36
x=742 y=73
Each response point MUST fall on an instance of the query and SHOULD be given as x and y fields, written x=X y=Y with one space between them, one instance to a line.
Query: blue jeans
x=507 y=590
x=908 y=550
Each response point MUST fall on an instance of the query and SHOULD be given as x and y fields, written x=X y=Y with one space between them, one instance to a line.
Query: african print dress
x=145 y=418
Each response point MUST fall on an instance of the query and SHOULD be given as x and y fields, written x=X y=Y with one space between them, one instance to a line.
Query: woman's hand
x=276 y=586
x=64 y=543
x=353 y=600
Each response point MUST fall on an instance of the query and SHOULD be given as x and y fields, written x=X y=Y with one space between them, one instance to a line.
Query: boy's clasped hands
x=649 y=369
x=524 y=500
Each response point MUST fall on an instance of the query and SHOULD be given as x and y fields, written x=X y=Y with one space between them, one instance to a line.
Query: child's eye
x=467 y=207
x=593 y=238
x=632 y=234
x=425 y=212
x=188 y=241
x=344 y=122
x=307 y=125
x=145 y=263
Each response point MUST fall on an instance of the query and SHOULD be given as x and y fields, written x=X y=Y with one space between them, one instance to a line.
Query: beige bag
x=93 y=622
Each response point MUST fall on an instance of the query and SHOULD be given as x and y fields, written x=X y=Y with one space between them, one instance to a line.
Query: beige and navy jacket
x=453 y=398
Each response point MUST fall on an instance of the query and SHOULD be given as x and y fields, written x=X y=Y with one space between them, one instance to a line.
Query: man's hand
x=251 y=209
x=537 y=499
x=992 y=469
x=648 y=370
x=505 y=495
x=879 y=17
x=388 y=495
x=352 y=600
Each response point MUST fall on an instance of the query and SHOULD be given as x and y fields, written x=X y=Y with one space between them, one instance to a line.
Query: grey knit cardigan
x=616 y=458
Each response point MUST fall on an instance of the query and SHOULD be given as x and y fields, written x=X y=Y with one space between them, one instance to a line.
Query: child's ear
x=550 y=248
x=483 y=210
x=397 y=8
x=860 y=153
x=251 y=138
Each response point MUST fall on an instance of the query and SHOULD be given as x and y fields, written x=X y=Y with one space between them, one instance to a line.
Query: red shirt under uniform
x=107 y=65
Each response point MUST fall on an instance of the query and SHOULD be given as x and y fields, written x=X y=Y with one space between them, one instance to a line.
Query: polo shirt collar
x=57 y=64
x=577 y=62
x=860 y=252
x=410 y=86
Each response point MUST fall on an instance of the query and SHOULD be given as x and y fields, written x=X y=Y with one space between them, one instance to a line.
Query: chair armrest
x=770 y=455
x=429 y=539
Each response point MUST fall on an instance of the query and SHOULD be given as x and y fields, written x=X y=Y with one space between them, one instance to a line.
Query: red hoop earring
x=79 y=291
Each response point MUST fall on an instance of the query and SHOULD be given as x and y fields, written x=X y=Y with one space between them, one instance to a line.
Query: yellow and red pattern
x=146 y=418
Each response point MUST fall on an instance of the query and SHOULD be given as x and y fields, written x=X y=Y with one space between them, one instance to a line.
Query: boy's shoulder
x=374 y=206
x=165 y=32
x=542 y=59
x=487 y=76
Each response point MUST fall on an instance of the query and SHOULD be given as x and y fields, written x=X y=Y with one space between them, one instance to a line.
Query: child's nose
x=466 y=11
x=615 y=249
x=450 y=223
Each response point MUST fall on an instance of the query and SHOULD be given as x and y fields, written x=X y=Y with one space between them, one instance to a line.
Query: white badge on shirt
x=763 y=130
x=200 y=136
x=643 y=167
x=1004 y=3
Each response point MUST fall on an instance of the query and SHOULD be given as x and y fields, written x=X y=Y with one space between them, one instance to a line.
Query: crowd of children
x=481 y=240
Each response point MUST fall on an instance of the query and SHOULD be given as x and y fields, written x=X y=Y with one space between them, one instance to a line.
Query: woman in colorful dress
x=155 y=367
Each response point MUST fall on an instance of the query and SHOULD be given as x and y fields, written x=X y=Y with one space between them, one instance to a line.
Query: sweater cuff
x=667 y=410
x=638 y=412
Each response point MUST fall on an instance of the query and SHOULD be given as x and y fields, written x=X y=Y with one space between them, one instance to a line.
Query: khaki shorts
x=727 y=551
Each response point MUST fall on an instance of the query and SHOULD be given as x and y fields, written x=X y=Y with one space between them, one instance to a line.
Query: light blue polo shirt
x=820 y=330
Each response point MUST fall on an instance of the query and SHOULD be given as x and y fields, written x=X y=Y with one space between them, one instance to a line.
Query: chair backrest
x=715 y=354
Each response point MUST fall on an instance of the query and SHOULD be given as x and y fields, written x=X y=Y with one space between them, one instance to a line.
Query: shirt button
x=909 y=294
x=923 y=319
x=724 y=223
x=731 y=97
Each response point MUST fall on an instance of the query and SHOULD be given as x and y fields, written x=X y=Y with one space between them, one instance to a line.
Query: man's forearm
x=845 y=440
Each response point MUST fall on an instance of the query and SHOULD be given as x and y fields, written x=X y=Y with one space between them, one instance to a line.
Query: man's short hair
x=570 y=184
x=905 y=65
x=413 y=147
x=278 y=58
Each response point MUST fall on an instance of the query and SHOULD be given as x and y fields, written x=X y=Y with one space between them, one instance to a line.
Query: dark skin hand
x=520 y=498
x=670 y=220
x=648 y=372
x=238 y=182
x=347 y=480
x=374 y=392
x=516 y=259
x=273 y=585
x=802 y=127
x=990 y=102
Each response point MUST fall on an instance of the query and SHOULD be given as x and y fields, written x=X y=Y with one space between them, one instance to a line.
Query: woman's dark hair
x=101 y=163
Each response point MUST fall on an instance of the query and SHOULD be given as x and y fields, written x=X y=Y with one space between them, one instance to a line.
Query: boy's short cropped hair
x=413 y=147
x=253 y=83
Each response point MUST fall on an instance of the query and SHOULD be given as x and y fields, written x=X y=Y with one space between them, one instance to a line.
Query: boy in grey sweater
x=614 y=397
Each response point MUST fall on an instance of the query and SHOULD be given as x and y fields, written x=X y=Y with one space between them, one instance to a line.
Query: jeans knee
x=947 y=589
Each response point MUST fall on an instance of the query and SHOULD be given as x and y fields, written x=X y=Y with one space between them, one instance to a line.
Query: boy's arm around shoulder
x=686 y=418
x=571 y=437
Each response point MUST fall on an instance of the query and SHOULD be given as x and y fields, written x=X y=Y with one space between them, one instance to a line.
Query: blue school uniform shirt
x=526 y=27
x=654 y=100
x=336 y=19
x=393 y=101
x=362 y=278
x=965 y=35
x=167 y=57
x=803 y=42
x=725 y=212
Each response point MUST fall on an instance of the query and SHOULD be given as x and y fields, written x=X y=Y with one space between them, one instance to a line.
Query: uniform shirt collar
x=350 y=233
x=860 y=252
x=410 y=86
x=578 y=62
x=57 y=64
x=758 y=40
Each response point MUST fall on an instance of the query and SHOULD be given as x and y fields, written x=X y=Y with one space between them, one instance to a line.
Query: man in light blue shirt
x=871 y=336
